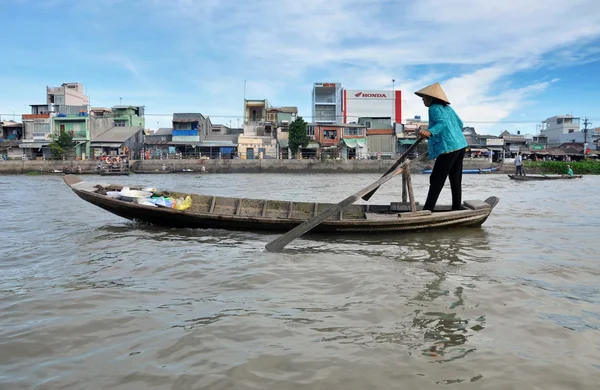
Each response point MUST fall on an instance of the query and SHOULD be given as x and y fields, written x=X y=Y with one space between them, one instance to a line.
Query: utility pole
x=586 y=122
x=394 y=105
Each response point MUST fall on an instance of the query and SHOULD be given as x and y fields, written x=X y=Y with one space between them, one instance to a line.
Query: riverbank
x=221 y=166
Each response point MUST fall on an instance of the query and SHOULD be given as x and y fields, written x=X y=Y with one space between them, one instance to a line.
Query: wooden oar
x=280 y=242
x=393 y=167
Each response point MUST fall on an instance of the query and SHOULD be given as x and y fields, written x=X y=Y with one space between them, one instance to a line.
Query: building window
x=330 y=134
x=353 y=131
x=571 y=130
x=119 y=123
x=310 y=131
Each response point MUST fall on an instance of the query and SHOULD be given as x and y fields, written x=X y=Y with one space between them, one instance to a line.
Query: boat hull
x=543 y=177
x=247 y=214
x=469 y=171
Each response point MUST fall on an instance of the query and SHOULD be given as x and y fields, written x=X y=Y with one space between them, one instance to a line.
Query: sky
x=504 y=65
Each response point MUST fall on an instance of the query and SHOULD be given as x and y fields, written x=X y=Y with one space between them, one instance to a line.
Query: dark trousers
x=446 y=165
x=519 y=170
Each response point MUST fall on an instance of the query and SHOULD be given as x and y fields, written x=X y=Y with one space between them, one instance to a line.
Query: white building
x=562 y=129
x=371 y=104
x=327 y=103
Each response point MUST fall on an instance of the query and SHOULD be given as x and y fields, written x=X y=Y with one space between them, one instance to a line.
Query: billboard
x=494 y=142
x=359 y=103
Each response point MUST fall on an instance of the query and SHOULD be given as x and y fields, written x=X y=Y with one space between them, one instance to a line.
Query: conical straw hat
x=435 y=91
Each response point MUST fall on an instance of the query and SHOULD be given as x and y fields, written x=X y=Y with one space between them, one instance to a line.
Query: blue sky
x=504 y=64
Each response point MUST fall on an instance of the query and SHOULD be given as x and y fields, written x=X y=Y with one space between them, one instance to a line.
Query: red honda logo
x=358 y=94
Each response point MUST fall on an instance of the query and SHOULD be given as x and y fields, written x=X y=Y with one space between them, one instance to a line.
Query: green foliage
x=297 y=136
x=560 y=167
x=61 y=145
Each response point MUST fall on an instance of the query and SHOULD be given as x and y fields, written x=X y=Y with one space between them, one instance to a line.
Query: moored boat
x=469 y=171
x=543 y=177
x=206 y=211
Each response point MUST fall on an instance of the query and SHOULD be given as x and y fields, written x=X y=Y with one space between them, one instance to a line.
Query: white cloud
x=474 y=48
x=366 y=43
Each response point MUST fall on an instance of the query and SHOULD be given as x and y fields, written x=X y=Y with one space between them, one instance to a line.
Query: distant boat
x=478 y=170
x=544 y=177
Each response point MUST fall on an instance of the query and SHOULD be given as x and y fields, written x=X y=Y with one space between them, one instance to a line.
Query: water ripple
x=88 y=300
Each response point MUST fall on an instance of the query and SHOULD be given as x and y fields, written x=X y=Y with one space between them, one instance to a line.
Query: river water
x=91 y=301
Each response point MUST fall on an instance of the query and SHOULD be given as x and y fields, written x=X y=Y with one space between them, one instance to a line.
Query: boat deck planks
x=209 y=211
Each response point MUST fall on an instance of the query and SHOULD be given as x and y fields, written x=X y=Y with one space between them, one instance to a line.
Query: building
x=258 y=140
x=190 y=127
x=11 y=134
x=77 y=126
x=156 y=145
x=66 y=101
x=221 y=142
x=128 y=116
x=327 y=103
x=367 y=103
x=282 y=115
x=128 y=141
x=256 y=110
x=354 y=142
x=69 y=99
x=558 y=129
x=381 y=137
x=11 y=131
x=513 y=144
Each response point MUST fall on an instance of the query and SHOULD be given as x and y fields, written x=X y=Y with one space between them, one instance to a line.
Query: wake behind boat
x=205 y=211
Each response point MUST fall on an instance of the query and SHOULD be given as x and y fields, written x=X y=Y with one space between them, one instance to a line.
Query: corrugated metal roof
x=163 y=131
x=117 y=134
x=33 y=145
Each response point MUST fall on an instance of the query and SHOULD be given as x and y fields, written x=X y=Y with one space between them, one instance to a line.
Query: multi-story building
x=77 y=126
x=256 y=110
x=189 y=130
x=68 y=99
x=282 y=115
x=66 y=108
x=368 y=103
x=561 y=128
x=381 y=137
x=128 y=116
x=327 y=103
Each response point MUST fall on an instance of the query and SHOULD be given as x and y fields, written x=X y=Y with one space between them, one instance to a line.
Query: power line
x=350 y=117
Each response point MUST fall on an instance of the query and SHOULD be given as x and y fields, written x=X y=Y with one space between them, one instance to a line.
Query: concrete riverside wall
x=223 y=166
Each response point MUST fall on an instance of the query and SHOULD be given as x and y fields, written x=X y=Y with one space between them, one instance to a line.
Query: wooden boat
x=468 y=171
x=261 y=214
x=544 y=177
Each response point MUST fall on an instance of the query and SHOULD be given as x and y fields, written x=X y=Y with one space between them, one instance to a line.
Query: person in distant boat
x=569 y=170
x=446 y=145
x=519 y=164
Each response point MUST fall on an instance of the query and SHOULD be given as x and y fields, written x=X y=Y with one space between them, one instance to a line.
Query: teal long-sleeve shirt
x=446 y=131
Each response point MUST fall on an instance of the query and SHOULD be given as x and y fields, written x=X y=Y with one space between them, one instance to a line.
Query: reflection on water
x=89 y=300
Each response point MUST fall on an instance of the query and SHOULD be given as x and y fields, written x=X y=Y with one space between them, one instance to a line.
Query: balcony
x=80 y=135
x=325 y=100
x=41 y=136
x=34 y=116
x=185 y=133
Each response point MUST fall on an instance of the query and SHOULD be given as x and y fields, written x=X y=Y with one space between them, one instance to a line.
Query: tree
x=297 y=136
x=61 y=144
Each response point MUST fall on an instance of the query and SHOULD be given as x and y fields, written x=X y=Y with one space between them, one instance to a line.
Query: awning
x=33 y=145
x=217 y=144
x=312 y=145
x=105 y=145
x=355 y=142
x=406 y=141
x=284 y=143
